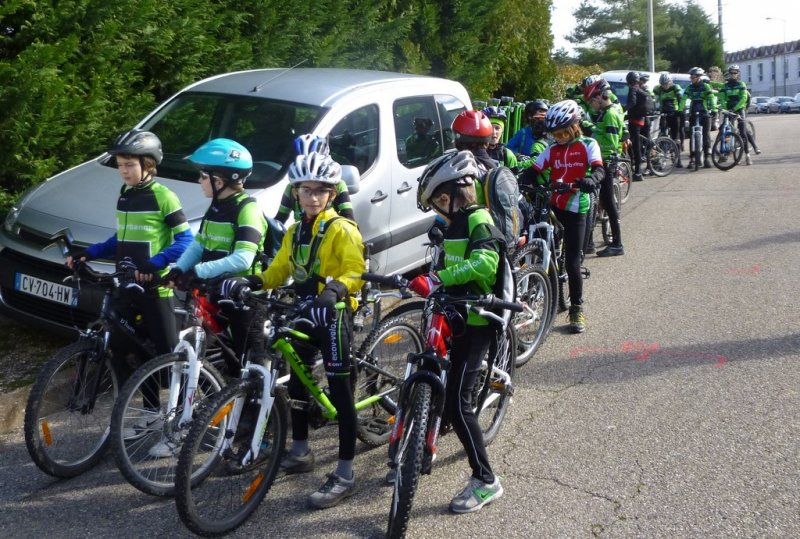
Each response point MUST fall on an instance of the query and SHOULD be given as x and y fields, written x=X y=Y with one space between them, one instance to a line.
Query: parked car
x=616 y=79
x=366 y=116
x=774 y=104
x=759 y=104
x=791 y=105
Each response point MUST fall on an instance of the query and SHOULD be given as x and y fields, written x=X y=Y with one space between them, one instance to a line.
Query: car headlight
x=11 y=219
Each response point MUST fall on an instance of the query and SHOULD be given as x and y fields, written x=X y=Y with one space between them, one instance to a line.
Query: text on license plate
x=59 y=293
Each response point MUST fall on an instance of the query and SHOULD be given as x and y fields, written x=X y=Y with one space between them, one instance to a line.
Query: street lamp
x=783 y=68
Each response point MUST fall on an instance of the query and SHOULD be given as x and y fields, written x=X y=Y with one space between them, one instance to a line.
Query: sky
x=744 y=22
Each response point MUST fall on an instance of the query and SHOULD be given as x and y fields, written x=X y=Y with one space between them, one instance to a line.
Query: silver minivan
x=367 y=117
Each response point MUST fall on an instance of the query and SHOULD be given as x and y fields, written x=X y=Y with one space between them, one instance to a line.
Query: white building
x=771 y=69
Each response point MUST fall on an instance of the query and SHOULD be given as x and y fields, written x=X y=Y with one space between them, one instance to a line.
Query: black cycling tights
x=607 y=200
x=574 y=234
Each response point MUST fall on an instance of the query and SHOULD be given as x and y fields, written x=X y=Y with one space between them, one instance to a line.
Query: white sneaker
x=747 y=160
x=163 y=449
x=152 y=422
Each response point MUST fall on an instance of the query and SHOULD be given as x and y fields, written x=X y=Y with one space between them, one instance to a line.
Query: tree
x=697 y=42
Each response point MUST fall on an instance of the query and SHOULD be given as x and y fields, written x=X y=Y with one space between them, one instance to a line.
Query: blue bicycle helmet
x=305 y=144
x=225 y=158
x=495 y=114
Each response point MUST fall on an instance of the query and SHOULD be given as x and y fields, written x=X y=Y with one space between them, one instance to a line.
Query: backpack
x=645 y=104
x=272 y=240
x=501 y=195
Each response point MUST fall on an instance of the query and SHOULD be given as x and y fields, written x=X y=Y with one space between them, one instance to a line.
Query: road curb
x=12 y=409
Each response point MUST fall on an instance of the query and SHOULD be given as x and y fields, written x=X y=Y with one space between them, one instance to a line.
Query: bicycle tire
x=697 y=149
x=624 y=174
x=62 y=436
x=155 y=474
x=224 y=494
x=493 y=394
x=662 y=156
x=733 y=150
x=531 y=254
x=591 y=220
x=531 y=325
x=751 y=128
x=386 y=347
x=408 y=459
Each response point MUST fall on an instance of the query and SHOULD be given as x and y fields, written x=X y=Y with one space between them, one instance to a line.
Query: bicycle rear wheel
x=216 y=493
x=382 y=364
x=624 y=175
x=145 y=435
x=662 y=155
x=531 y=255
x=727 y=150
x=410 y=453
x=534 y=291
x=66 y=431
x=495 y=387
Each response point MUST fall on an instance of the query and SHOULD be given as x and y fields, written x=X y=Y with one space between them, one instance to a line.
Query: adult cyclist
x=669 y=99
x=734 y=98
x=522 y=143
x=698 y=95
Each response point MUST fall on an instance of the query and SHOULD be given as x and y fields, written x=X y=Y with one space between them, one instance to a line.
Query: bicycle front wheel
x=381 y=366
x=215 y=492
x=409 y=458
x=69 y=410
x=495 y=386
x=662 y=156
x=145 y=434
x=624 y=175
x=727 y=150
x=534 y=291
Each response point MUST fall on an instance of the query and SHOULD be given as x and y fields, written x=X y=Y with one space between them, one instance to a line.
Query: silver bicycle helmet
x=665 y=78
x=562 y=115
x=459 y=167
x=315 y=167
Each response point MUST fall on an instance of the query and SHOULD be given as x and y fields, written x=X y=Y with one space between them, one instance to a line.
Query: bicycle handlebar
x=557 y=188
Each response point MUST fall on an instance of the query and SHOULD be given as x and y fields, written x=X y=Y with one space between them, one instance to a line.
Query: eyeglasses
x=310 y=192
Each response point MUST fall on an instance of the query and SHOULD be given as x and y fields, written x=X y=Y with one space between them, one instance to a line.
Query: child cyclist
x=447 y=186
x=231 y=233
x=324 y=254
x=303 y=145
x=577 y=160
x=152 y=231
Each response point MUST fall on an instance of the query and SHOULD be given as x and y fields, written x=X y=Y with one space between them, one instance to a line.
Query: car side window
x=448 y=108
x=354 y=140
x=416 y=127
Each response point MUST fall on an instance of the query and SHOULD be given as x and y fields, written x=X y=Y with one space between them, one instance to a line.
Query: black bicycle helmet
x=632 y=77
x=535 y=105
x=138 y=142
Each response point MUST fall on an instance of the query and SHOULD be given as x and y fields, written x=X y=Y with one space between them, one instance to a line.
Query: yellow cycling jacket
x=340 y=255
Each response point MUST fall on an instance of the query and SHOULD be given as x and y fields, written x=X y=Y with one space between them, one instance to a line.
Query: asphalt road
x=674 y=415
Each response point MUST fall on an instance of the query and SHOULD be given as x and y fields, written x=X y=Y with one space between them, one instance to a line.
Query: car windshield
x=265 y=127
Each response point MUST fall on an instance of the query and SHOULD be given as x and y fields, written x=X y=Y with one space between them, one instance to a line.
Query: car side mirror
x=352 y=178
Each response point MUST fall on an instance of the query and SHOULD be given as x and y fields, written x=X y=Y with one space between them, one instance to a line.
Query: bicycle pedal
x=585 y=272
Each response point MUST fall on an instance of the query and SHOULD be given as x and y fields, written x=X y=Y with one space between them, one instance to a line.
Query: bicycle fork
x=189 y=371
x=265 y=406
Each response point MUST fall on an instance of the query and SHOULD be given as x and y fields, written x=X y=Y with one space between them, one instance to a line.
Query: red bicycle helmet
x=472 y=126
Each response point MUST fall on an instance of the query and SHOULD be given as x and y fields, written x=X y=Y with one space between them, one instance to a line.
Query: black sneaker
x=638 y=177
x=292 y=464
x=612 y=250
x=707 y=163
x=590 y=249
x=334 y=490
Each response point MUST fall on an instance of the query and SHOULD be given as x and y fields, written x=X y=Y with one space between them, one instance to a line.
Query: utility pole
x=650 y=36
x=719 y=18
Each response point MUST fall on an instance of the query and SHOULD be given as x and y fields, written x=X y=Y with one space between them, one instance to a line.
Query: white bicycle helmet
x=562 y=115
x=664 y=78
x=305 y=144
x=459 y=167
x=315 y=167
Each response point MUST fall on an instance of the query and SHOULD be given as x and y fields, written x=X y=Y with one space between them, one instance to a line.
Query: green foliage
x=614 y=33
x=76 y=73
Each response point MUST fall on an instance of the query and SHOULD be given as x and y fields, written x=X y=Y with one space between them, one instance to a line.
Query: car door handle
x=404 y=188
x=379 y=197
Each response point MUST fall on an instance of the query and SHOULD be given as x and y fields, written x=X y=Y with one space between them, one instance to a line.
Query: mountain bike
x=231 y=455
x=154 y=409
x=728 y=147
x=413 y=442
x=68 y=413
x=661 y=153
x=620 y=168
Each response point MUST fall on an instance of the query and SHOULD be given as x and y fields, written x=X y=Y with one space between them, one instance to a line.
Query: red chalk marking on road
x=643 y=351
x=752 y=270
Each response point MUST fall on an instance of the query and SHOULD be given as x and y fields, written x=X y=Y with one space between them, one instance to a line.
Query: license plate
x=56 y=292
